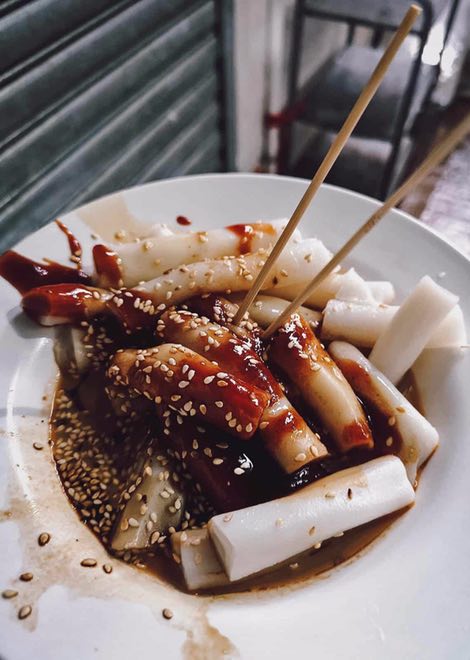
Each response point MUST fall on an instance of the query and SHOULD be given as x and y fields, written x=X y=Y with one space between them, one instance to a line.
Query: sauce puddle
x=92 y=455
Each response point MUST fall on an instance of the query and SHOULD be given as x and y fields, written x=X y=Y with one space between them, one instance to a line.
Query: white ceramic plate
x=407 y=596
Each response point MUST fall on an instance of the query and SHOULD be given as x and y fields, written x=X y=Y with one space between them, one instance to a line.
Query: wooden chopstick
x=333 y=152
x=433 y=159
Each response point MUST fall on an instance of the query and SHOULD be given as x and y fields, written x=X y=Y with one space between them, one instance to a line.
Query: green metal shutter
x=97 y=95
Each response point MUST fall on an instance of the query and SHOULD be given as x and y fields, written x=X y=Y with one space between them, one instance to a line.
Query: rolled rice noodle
x=362 y=324
x=153 y=256
x=266 y=309
x=411 y=328
x=201 y=566
x=231 y=274
x=418 y=438
x=383 y=292
x=328 y=289
x=136 y=530
x=258 y=537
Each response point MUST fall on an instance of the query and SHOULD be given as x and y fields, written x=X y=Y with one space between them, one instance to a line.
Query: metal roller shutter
x=97 y=95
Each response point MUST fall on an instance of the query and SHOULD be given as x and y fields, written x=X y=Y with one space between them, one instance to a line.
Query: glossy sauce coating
x=246 y=234
x=183 y=220
x=107 y=266
x=25 y=274
x=298 y=352
x=179 y=379
x=229 y=475
x=74 y=244
x=286 y=435
x=69 y=303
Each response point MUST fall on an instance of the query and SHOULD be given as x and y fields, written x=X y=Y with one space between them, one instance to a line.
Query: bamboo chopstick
x=333 y=152
x=433 y=159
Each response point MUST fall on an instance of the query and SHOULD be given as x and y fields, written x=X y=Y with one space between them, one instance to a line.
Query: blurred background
x=98 y=95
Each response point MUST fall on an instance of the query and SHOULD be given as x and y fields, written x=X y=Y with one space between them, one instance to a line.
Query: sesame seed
x=107 y=568
x=26 y=577
x=208 y=380
x=44 y=538
x=24 y=611
x=392 y=421
x=317 y=546
x=263 y=425
x=294 y=566
x=219 y=404
x=89 y=562
x=218 y=461
x=228 y=517
x=154 y=537
x=38 y=446
x=222 y=383
x=167 y=613
x=279 y=522
x=389 y=441
x=182 y=384
x=9 y=593
x=301 y=457
x=239 y=471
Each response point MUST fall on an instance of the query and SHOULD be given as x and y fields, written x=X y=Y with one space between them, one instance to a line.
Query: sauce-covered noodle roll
x=414 y=436
x=293 y=524
x=154 y=256
x=286 y=435
x=180 y=380
x=298 y=352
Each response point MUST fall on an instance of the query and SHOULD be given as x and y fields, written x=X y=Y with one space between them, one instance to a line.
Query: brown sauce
x=25 y=274
x=107 y=266
x=246 y=233
x=83 y=459
x=74 y=244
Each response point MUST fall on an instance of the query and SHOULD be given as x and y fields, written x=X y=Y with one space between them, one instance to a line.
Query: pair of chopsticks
x=432 y=160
